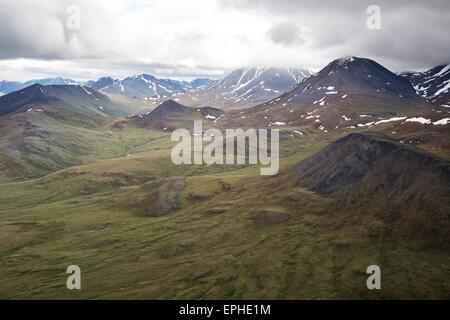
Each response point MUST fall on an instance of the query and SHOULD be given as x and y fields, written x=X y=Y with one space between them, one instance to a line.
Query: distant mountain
x=171 y=115
x=350 y=76
x=147 y=87
x=434 y=84
x=46 y=128
x=101 y=83
x=200 y=83
x=144 y=87
x=10 y=86
x=361 y=169
x=51 y=81
x=73 y=98
x=245 y=87
x=347 y=92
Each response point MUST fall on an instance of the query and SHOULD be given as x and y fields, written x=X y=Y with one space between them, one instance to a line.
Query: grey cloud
x=18 y=27
x=417 y=37
x=295 y=6
x=414 y=33
x=287 y=33
x=32 y=29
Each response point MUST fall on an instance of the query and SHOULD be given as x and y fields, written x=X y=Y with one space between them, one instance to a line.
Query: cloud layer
x=183 y=39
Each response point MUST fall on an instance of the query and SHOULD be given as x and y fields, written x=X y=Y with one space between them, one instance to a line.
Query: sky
x=180 y=39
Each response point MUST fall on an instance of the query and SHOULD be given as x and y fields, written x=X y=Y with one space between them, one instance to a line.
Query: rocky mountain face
x=245 y=82
x=245 y=87
x=434 y=84
x=346 y=77
x=200 y=83
x=101 y=83
x=147 y=87
x=348 y=92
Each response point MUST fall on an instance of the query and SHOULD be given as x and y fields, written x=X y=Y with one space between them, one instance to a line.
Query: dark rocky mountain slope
x=406 y=188
x=171 y=115
x=434 y=84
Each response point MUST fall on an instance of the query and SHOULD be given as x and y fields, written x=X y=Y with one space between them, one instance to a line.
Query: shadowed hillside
x=403 y=186
x=171 y=115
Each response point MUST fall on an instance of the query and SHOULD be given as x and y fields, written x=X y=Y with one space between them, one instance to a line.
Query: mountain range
x=242 y=87
x=245 y=87
x=146 y=87
x=347 y=93
x=11 y=86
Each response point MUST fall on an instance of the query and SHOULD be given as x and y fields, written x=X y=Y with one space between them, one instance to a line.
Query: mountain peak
x=353 y=62
x=350 y=76
x=36 y=85
x=347 y=59
x=143 y=76
x=169 y=106
x=105 y=78
x=147 y=76
x=170 y=102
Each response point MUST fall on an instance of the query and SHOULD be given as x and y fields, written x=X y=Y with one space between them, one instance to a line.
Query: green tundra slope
x=228 y=233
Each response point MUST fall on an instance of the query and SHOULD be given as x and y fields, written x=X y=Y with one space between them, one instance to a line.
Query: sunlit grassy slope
x=225 y=238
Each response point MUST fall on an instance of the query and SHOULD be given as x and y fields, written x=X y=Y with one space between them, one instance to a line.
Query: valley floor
x=226 y=237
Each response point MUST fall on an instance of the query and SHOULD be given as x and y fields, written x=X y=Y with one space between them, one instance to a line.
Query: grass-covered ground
x=225 y=238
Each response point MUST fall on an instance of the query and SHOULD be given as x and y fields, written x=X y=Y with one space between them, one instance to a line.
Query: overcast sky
x=184 y=39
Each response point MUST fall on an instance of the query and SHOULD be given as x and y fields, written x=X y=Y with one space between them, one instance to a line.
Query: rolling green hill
x=47 y=128
x=231 y=234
